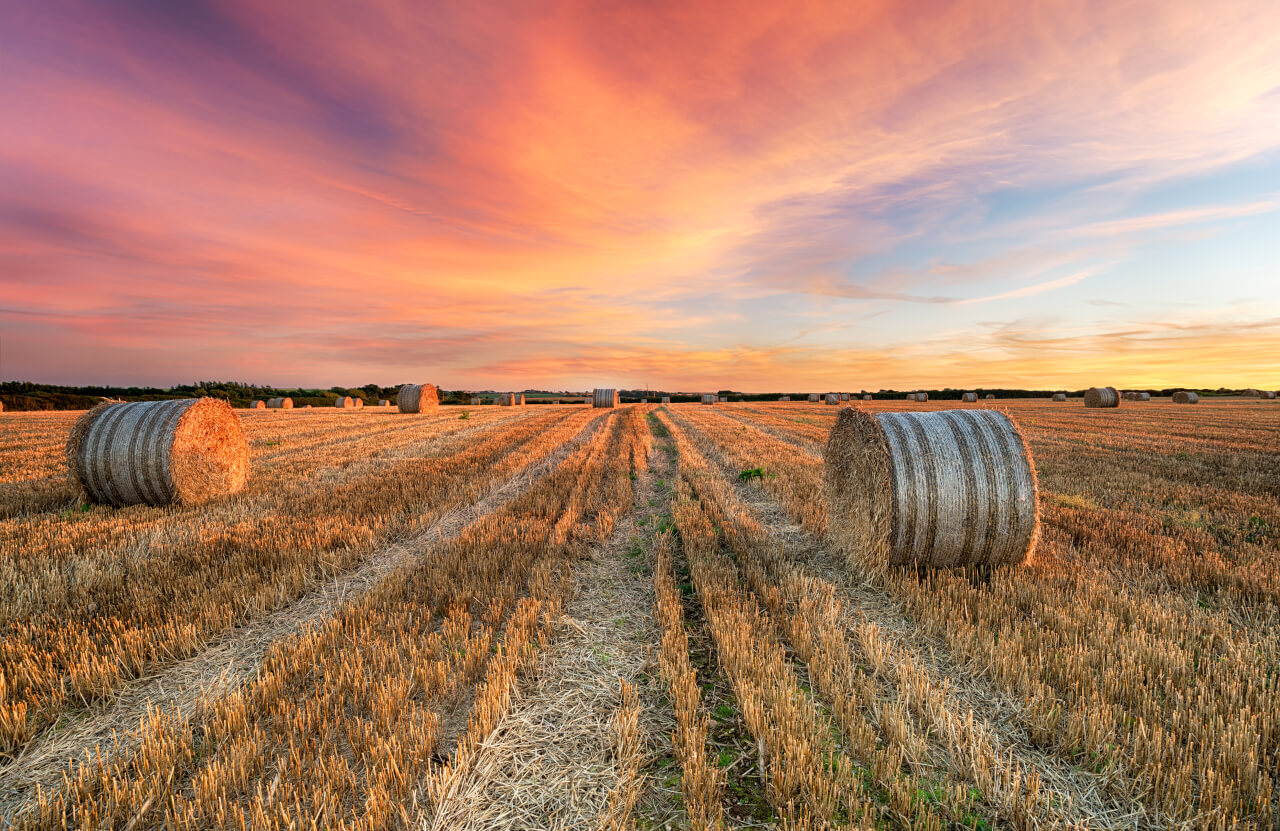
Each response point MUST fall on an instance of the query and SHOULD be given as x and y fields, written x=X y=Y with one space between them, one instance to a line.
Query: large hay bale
x=383 y=402
x=666 y=399
x=814 y=397
x=922 y=397
x=1269 y=395
x=359 y=402
x=866 y=397
x=511 y=399
x=1102 y=397
x=184 y=451
x=258 y=405
x=844 y=396
x=1252 y=393
x=344 y=402
x=280 y=403
x=604 y=398
x=1059 y=396
x=1142 y=396
x=708 y=399
x=415 y=398
x=1185 y=397
x=941 y=489
x=969 y=397
x=833 y=398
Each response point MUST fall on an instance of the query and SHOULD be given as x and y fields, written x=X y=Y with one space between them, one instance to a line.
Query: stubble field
x=575 y=618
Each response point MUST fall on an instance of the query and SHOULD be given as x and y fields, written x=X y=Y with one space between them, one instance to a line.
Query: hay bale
x=922 y=397
x=511 y=399
x=969 y=397
x=1252 y=394
x=990 y=396
x=814 y=398
x=708 y=399
x=185 y=451
x=359 y=402
x=344 y=402
x=475 y=401
x=258 y=405
x=1059 y=396
x=1 y=406
x=603 y=398
x=833 y=398
x=416 y=398
x=1269 y=395
x=1142 y=396
x=941 y=489
x=844 y=396
x=382 y=402
x=666 y=399
x=1185 y=397
x=1102 y=397
x=785 y=398
x=280 y=403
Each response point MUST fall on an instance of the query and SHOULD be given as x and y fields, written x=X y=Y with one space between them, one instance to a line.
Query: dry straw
x=382 y=402
x=344 y=402
x=940 y=489
x=359 y=402
x=1059 y=396
x=280 y=403
x=1185 y=397
x=604 y=398
x=969 y=397
x=184 y=451
x=258 y=405
x=415 y=398
x=511 y=399
x=1102 y=397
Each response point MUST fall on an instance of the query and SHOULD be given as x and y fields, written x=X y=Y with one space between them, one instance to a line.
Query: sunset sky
x=688 y=195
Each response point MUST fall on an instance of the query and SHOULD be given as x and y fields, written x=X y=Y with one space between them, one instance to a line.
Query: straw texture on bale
x=832 y=398
x=1102 y=397
x=1059 y=396
x=1185 y=397
x=344 y=402
x=1 y=406
x=814 y=397
x=866 y=397
x=604 y=398
x=1252 y=393
x=511 y=399
x=359 y=402
x=184 y=451
x=1269 y=395
x=969 y=397
x=940 y=489
x=922 y=396
x=382 y=402
x=415 y=398
x=1142 y=396
x=258 y=405
x=708 y=399
x=280 y=403
x=844 y=396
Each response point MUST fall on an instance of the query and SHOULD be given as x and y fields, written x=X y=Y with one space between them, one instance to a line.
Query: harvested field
x=544 y=617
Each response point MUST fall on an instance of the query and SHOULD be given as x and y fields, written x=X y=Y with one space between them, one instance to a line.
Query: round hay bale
x=832 y=398
x=1059 y=396
x=344 y=402
x=185 y=451
x=1269 y=395
x=1 y=406
x=969 y=397
x=866 y=397
x=708 y=399
x=258 y=405
x=1252 y=394
x=814 y=397
x=604 y=398
x=280 y=403
x=383 y=402
x=359 y=402
x=1142 y=396
x=511 y=399
x=785 y=398
x=475 y=401
x=1102 y=397
x=414 y=398
x=844 y=396
x=1185 y=397
x=991 y=396
x=939 y=489
x=922 y=397
x=666 y=399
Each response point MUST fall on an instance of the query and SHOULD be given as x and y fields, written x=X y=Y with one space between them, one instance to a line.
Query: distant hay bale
x=359 y=402
x=666 y=399
x=833 y=398
x=644 y=401
x=603 y=398
x=1142 y=396
x=920 y=397
x=344 y=402
x=1269 y=395
x=814 y=398
x=1252 y=393
x=382 y=402
x=990 y=396
x=1 y=406
x=785 y=398
x=511 y=399
x=1101 y=397
x=969 y=397
x=280 y=403
x=184 y=451
x=416 y=398
x=708 y=399
x=258 y=405
x=475 y=401
x=1185 y=397
x=724 y=399
x=866 y=396
x=844 y=396
x=940 y=489
x=1059 y=396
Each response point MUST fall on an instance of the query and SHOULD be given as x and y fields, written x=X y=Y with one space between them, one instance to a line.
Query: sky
x=673 y=195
